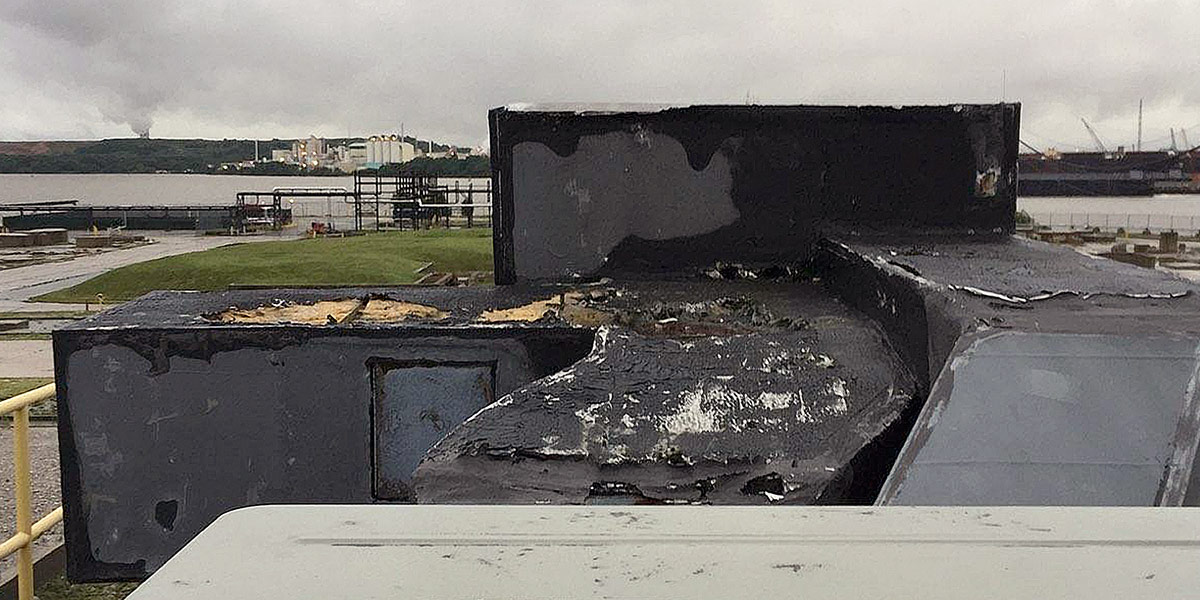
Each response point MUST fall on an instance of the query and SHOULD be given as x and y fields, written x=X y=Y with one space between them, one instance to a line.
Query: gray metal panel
x=436 y=552
x=1049 y=419
x=414 y=405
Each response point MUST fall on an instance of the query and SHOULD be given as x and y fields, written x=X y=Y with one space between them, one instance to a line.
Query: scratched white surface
x=681 y=552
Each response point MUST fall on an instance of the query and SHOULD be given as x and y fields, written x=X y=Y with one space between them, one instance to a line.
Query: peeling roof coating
x=534 y=311
x=776 y=357
x=372 y=309
x=771 y=414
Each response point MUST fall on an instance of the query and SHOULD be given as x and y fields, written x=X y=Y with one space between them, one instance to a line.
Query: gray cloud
x=224 y=68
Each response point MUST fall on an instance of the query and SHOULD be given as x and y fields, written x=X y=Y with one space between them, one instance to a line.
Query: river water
x=1158 y=212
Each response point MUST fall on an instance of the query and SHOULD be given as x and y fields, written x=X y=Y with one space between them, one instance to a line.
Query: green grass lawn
x=11 y=386
x=45 y=411
x=8 y=336
x=376 y=259
x=21 y=315
x=58 y=588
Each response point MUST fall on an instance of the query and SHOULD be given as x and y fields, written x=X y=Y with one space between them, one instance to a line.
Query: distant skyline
x=81 y=69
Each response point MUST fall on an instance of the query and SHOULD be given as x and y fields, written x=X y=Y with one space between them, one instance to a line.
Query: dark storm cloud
x=72 y=68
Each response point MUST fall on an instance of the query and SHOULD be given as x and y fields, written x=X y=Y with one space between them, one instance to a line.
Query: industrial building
x=311 y=152
x=389 y=149
x=372 y=153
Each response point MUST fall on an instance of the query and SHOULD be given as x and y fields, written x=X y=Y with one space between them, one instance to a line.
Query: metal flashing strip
x=1056 y=293
x=1179 y=469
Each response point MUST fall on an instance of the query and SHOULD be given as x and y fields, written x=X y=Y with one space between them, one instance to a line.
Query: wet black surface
x=721 y=384
x=744 y=382
x=737 y=391
x=1012 y=266
x=778 y=377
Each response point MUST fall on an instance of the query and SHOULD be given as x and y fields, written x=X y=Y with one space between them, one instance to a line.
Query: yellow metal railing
x=22 y=541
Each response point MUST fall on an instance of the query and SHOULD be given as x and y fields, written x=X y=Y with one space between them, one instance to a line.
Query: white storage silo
x=394 y=150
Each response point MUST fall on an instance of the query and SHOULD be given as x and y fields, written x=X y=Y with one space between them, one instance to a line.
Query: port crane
x=1095 y=137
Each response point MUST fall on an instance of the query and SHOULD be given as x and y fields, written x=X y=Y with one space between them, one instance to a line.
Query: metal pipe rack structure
x=408 y=196
x=278 y=216
x=412 y=196
x=70 y=215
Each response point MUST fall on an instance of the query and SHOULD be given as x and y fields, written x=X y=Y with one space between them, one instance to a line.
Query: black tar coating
x=796 y=170
x=926 y=292
x=1012 y=266
x=776 y=412
x=918 y=295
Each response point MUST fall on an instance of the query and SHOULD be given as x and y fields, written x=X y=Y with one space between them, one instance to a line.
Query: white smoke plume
x=141 y=127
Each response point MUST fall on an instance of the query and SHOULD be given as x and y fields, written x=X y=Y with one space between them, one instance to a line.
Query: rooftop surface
x=728 y=305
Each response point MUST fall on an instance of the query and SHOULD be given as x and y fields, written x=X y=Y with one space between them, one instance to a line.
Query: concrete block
x=94 y=241
x=15 y=240
x=48 y=236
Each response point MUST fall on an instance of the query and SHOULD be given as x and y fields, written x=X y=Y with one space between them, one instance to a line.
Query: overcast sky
x=81 y=69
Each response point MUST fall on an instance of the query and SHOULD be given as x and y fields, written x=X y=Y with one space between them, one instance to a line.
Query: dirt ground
x=46 y=491
x=46 y=497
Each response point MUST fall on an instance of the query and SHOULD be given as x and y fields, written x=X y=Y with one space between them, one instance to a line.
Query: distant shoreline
x=205 y=157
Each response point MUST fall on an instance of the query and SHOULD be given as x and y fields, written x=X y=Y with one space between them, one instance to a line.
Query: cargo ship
x=1118 y=173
